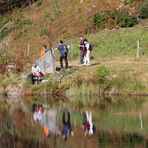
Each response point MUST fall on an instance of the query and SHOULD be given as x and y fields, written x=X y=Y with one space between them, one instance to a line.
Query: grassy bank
x=114 y=68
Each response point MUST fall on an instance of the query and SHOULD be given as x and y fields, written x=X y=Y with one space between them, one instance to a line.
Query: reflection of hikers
x=88 y=126
x=37 y=112
x=63 y=54
x=46 y=131
x=50 y=121
x=81 y=50
x=86 y=57
x=43 y=50
x=37 y=75
x=67 y=131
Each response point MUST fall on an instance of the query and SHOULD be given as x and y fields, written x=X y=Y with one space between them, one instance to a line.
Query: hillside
x=46 y=21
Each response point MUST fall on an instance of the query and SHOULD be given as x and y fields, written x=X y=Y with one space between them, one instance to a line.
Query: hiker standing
x=63 y=54
x=87 y=55
x=67 y=130
x=43 y=50
x=81 y=45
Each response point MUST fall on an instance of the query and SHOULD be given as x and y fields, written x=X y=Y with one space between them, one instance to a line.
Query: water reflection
x=88 y=126
x=47 y=118
x=40 y=125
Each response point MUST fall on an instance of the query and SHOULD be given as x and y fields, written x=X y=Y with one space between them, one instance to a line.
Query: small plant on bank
x=103 y=72
x=101 y=78
x=124 y=19
x=99 y=20
x=143 y=13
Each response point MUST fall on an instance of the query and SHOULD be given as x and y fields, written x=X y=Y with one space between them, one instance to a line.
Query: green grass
x=111 y=43
x=3 y=21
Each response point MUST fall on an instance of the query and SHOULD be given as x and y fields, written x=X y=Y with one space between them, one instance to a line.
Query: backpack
x=64 y=49
x=90 y=47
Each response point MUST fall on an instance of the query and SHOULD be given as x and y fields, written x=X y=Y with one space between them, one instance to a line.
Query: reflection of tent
x=47 y=63
x=49 y=119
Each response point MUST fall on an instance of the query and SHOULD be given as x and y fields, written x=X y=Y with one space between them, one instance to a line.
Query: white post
x=138 y=49
x=141 y=122
x=28 y=51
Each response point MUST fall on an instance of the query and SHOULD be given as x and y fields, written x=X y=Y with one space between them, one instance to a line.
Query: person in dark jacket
x=67 y=130
x=81 y=46
x=63 y=54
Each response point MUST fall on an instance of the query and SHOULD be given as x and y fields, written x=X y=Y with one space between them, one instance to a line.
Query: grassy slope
x=66 y=18
x=115 y=49
x=69 y=19
x=115 y=43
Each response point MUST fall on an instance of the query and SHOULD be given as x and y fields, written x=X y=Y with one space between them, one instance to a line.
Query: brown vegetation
x=53 y=20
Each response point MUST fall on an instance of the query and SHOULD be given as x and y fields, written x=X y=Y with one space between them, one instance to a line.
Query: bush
x=103 y=72
x=99 y=20
x=124 y=19
x=144 y=11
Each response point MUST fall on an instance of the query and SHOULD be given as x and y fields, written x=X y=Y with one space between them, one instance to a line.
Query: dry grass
x=66 y=19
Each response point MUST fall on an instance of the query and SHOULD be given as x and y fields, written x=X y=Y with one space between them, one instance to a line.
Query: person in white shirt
x=35 y=69
x=87 y=55
x=36 y=72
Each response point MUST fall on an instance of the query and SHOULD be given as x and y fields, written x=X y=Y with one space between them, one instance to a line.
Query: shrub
x=99 y=20
x=103 y=72
x=144 y=11
x=124 y=19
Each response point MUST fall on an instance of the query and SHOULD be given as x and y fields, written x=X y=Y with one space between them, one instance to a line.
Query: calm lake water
x=120 y=122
